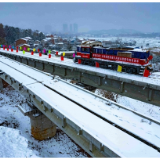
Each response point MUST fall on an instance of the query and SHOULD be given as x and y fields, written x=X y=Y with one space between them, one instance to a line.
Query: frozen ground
x=15 y=137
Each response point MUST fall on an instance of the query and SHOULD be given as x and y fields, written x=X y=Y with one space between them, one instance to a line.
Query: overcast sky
x=89 y=16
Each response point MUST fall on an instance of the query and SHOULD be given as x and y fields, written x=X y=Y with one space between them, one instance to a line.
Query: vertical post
x=1 y=84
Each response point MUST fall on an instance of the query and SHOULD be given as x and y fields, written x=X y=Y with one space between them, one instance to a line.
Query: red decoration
x=56 y=52
x=49 y=56
x=146 y=73
x=7 y=49
x=62 y=58
x=40 y=54
x=3 y=48
x=150 y=57
x=38 y=50
x=79 y=61
x=16 y=50
x=12 y=50
x=32 y=53
x=97 y=64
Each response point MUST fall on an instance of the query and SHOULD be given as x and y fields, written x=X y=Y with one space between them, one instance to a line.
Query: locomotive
x=131 y=60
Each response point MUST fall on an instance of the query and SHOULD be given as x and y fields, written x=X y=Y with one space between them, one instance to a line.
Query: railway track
x=133 y=86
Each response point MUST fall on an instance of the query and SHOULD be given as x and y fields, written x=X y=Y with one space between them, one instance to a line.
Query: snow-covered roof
x=24 y=45
x=59 y=43
x=99 y=47
x=23 y=39
x=139 y=50
x=28 y=38
x=44 y=40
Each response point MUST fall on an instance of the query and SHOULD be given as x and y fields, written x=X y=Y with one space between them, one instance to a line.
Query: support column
x=42 y=127
x=1 y=84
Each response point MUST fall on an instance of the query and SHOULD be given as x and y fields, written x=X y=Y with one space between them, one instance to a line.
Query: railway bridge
x=100 y=126
x=133 y=86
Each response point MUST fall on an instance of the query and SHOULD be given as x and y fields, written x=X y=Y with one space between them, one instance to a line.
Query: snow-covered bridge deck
x=82 y=112
x=133 y=86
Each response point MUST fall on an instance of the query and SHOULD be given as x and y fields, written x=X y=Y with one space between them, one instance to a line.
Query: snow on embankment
x=141 y=107
x=15 y=137
x=13 y=144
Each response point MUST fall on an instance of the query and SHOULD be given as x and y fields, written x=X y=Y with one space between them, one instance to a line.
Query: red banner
x=118 y=58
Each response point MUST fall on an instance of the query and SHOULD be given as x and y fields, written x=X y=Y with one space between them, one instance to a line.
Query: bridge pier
x=1 y=84
x=42 y=127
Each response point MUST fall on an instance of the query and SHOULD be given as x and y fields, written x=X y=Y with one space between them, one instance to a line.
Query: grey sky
x=89 y=16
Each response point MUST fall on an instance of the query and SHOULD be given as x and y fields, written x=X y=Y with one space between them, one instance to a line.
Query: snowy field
x=153 y=42
x=15 y=137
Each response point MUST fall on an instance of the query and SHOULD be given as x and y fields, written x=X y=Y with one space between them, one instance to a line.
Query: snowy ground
x=141 y=107
x=15 y=137
x=136 y=105
x=153 y=42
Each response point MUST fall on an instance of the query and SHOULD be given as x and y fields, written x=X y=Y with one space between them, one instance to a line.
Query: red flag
x=150 y=57
x=62 y=58
x=97 y=64
x=79 y=61
x=146 y=73
x=49 y=56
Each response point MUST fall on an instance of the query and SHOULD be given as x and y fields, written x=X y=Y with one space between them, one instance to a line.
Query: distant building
x=25 y=40
x=75 y=28
x=37 y=42
x=71 y=28
x=49 y=36
x=65 y=28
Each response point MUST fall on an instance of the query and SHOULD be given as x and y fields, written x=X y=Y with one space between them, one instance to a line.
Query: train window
x=85 y=50
x=104 y=51
x=94 y=50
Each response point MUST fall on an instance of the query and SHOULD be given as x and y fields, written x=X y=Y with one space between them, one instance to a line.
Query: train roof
x=138 y=50
x=99 y=47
